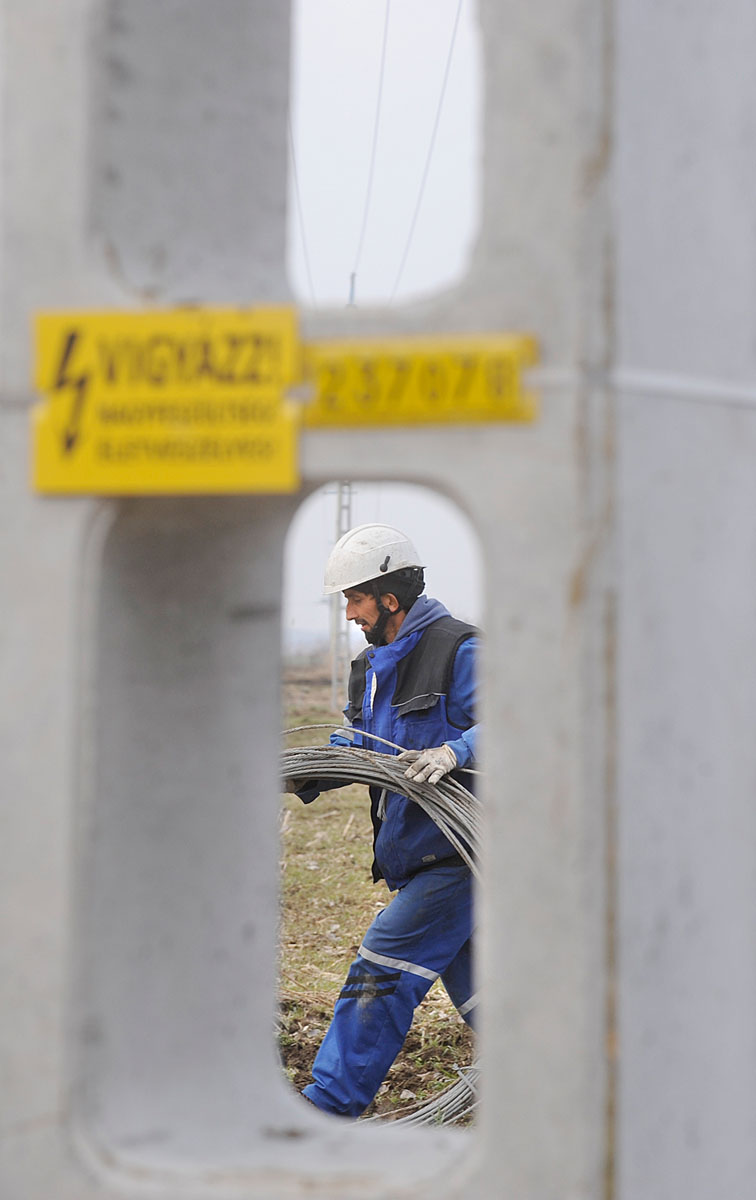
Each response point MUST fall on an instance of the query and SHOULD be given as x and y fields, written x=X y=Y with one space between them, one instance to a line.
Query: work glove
x=429 y=765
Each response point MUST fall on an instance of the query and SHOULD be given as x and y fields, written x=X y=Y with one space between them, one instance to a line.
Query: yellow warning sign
x=194 y=400
x=420 y=380
x=185 y=401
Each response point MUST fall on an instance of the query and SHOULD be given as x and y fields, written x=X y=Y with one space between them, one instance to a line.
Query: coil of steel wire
x=452 y=1105
x=452 y=807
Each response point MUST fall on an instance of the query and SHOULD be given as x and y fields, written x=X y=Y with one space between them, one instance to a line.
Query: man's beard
x=376 y=635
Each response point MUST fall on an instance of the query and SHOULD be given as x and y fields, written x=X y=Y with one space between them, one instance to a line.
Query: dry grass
x=328 y=901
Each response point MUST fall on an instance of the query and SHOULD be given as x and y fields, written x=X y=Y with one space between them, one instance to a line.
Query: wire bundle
x=456 y=813
x=448 y=804
x=451 y=1105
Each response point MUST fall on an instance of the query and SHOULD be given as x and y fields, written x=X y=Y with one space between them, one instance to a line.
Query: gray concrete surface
x=144 y=162
x=687 y=435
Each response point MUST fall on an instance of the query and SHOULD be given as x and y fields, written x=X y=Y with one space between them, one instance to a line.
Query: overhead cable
x=300 y=216
x=371 y=170
x=429 y=156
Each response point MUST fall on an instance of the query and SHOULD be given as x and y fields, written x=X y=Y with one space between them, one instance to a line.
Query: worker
x=414 y=685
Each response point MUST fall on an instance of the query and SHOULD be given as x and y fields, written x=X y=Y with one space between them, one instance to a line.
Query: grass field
x=328 y=900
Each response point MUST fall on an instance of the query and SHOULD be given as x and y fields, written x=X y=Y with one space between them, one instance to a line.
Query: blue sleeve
x=462 y=702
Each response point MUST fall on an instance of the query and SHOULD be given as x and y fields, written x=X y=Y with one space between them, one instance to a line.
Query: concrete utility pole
x=144 y=160
x=339 y=629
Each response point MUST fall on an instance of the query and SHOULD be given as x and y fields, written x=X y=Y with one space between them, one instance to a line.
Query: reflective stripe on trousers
x=423 y=934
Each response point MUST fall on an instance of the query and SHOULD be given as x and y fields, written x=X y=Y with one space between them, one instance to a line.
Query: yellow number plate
x=189 y=401
x=416 y=381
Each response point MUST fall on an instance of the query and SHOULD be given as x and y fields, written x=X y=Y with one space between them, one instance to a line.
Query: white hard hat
x=367 y=552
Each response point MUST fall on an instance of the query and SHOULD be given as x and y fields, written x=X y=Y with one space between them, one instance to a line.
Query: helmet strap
x=377 y=635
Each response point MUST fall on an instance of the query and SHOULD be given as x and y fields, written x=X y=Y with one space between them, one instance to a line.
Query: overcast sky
x=442 y=537
x=335 y=230
x=336 y=61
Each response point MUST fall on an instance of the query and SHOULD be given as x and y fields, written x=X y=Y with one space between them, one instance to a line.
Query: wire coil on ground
x=455 y=1103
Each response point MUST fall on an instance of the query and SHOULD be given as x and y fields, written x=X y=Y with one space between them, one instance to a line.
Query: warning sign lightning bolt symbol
x=78 y=385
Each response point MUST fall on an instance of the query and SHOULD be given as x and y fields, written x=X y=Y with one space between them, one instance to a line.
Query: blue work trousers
x=423 y=934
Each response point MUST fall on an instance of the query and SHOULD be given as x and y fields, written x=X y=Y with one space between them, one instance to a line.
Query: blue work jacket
x=406 y=839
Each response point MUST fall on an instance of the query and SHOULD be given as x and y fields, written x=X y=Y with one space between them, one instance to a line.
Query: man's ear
x=390 y=602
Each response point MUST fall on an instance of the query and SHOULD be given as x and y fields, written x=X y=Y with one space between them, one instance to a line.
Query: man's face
x=361 y=608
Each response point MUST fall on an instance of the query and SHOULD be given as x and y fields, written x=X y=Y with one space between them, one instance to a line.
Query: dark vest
x=423 y=679
x=423 y=676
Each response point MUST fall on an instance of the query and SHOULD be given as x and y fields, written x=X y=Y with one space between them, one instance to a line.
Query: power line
x=340 y=655
x=298 y=198
x=371 y=170
x=429 y=156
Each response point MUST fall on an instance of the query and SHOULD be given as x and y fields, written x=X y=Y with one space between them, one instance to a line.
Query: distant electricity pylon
x=339 y=630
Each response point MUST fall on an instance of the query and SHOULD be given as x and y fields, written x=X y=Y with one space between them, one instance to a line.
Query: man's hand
x=429 y=765
x=290 y=785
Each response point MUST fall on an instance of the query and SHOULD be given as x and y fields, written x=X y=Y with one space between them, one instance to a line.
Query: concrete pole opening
x=328 y=897
x=173 y=1065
